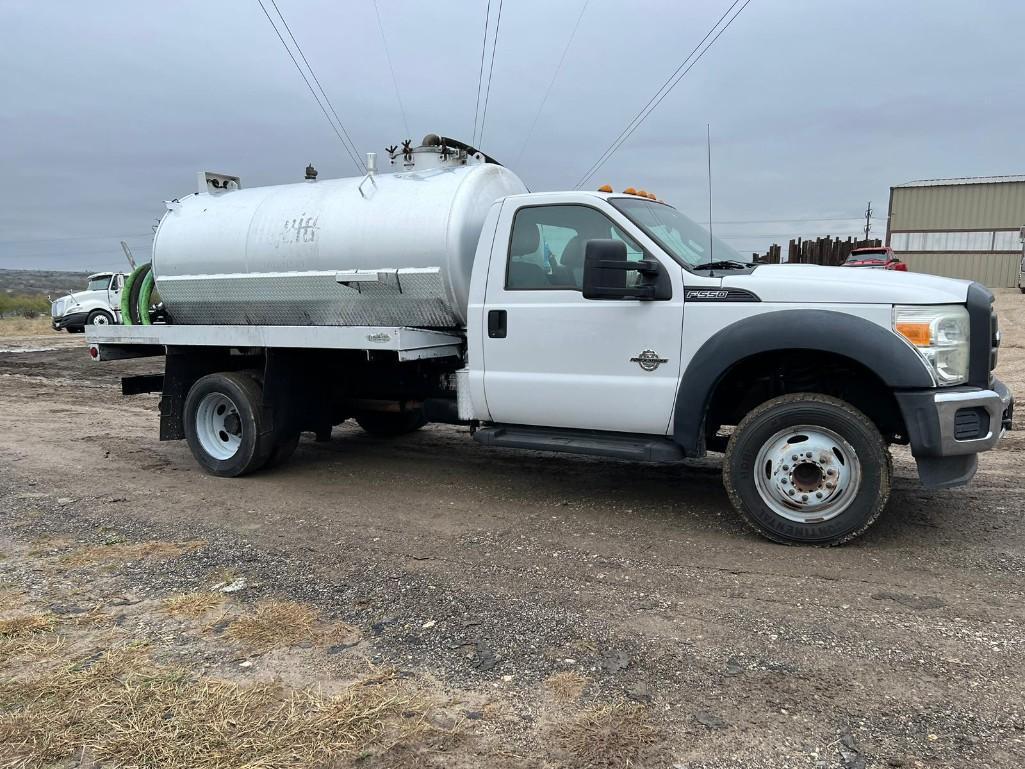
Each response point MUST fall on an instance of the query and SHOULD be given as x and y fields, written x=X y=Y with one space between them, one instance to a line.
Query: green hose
x=144 y=295
x=136 y=312
x=126 y=298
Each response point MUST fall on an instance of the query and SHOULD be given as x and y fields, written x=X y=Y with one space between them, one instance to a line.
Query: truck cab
x=97 y=305
x=615 y=317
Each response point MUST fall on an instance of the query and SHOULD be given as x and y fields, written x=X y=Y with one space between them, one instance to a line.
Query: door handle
x=497 y=324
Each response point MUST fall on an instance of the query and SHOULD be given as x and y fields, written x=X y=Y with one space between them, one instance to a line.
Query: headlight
x=940 y=334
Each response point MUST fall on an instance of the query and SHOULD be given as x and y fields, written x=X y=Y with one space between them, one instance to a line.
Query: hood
x=812 y=283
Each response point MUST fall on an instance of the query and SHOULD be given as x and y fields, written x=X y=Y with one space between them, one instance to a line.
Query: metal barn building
x=960 y=228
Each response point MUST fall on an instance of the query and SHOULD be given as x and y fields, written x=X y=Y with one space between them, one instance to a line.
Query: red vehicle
x=878 y=257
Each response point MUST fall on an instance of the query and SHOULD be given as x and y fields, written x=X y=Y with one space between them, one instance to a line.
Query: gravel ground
x=494 y=574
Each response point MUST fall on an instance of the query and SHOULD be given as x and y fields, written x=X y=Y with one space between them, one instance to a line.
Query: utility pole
x=868 y=219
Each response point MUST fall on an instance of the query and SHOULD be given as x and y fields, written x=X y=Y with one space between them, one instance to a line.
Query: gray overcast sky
x=816 y=106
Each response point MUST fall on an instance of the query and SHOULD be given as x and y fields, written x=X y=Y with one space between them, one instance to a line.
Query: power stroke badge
x=649 y=360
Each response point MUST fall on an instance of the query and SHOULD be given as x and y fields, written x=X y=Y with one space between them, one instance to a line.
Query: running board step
x=641 y=448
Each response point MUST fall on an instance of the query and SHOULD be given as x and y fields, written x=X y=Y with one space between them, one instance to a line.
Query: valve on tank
x=311 y=173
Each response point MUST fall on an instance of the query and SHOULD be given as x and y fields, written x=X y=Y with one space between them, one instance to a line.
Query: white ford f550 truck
x=589 y=322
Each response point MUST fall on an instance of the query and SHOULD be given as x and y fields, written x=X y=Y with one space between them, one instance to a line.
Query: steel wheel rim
x=807 y=474
x=101 y=320
x=218 y=426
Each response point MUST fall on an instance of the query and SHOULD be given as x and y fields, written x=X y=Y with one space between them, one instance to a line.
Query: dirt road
x=533 y=592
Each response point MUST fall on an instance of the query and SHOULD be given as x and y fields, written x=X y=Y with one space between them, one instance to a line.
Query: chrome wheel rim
x=101 y=320
x=807 y=474
x=218 y=426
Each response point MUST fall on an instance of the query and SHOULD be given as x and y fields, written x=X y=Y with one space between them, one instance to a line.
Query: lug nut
x=795 y=457
x=808 y=454
x=818 y=494
x=790 y=492
x=831 y=471
x=783 y=481
x=786 y=467
x=804 y=497
x=830 y=485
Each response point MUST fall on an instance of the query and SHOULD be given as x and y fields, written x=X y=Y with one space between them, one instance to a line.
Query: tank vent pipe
x=371 y=170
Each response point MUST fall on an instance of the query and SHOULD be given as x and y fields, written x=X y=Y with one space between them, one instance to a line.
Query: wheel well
x=756 y=379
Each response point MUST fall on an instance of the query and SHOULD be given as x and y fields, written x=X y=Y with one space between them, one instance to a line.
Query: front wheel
x=225 y=424
x=809 y=469
x=100 y=318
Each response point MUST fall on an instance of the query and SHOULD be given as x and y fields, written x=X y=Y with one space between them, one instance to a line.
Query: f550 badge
x=707 y=294
x=649 y=360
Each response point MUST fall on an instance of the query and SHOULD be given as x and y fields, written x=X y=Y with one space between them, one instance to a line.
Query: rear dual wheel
x=807 y=468
x=226 y=427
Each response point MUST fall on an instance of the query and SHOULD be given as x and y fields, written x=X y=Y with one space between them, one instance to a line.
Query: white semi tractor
x=599 y=323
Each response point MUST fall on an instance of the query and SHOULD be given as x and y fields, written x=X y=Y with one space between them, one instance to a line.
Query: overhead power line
x=480 y=75
x=548 y=91
x=391 y=68
x=693 y=58
x=343 y=135
x=491 y=70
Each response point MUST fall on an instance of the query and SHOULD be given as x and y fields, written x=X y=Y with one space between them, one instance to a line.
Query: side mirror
x=606 y=267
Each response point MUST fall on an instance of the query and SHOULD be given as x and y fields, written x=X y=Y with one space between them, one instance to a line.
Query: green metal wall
x=947 y=208
x=989 y=269
x=995 y=206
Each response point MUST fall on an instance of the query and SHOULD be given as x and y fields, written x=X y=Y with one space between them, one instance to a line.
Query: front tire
x=100 y=318
x=807 y=468
x=225 y=425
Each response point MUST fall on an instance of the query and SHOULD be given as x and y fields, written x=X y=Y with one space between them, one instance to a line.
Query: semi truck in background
x=591 y=322
x=99 y=304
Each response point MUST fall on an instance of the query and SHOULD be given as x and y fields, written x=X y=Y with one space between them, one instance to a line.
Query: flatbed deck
x=120 y=342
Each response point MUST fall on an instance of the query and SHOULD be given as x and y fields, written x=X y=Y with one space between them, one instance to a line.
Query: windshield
x=99 y=283
x=682 y=238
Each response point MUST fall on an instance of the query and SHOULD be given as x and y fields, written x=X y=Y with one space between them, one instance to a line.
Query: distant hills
x=41 y=282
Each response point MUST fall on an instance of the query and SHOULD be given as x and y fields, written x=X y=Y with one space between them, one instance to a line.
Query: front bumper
x=73 y=320
x=947 y=428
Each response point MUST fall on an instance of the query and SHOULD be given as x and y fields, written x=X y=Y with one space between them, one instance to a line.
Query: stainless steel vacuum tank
x=384 y=249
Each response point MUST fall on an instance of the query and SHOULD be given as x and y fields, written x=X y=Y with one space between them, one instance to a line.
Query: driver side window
x=546 y=250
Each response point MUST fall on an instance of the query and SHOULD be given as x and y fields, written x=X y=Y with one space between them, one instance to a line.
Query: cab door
x=117 y=282
x=552 y=357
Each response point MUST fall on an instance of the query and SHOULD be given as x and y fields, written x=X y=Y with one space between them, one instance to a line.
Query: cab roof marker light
x=605 y=188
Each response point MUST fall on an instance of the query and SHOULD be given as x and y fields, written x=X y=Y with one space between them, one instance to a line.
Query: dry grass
x=25 y=624
x=19 y=326
x=120 y=709
x=26 y=634
x=192 y=605
x=9 y=597
x=612 y=736
x=567 y=686
x=275 y=623
x=124 y=552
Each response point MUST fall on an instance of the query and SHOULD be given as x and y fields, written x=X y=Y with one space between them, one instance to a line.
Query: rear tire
x=807 y=469
x=385 y=424
x=225 y=426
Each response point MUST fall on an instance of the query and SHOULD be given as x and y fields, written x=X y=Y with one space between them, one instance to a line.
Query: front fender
x=880 y=350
